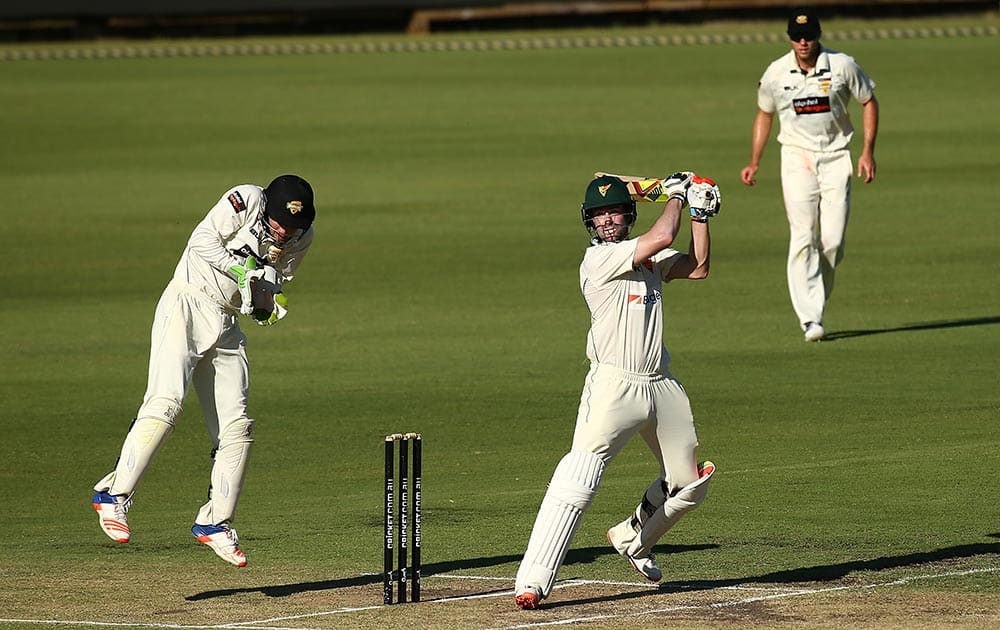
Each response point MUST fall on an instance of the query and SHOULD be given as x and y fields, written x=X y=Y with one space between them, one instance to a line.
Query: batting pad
x=144 y=439
x=572 y=489
x=228 y=471
x=667 y=515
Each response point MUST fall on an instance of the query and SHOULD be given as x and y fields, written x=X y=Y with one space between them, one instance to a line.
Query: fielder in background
x=810 y=88
x=236 y=261
x=629 y=388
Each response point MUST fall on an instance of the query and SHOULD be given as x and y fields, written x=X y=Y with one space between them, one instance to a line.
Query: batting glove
x=704 y=198
x=676 y=186
x=269 y=318
x=245 y=274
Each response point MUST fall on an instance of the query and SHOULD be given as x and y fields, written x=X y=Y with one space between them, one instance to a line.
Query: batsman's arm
x=661 y=235
x=695 y=264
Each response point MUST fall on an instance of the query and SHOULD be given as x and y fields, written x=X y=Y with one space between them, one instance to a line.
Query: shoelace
x=121 y=509
x=230 y=534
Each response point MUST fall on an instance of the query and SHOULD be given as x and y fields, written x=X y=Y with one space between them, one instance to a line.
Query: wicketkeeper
x=236 y=262
x=629 y=388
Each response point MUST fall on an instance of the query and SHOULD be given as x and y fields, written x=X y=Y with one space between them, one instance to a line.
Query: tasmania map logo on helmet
x=606 y=192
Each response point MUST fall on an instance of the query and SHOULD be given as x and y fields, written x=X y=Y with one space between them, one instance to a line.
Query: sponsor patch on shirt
x=641 y=301
x=246 y=252
x=811 y=105
x=236 y=199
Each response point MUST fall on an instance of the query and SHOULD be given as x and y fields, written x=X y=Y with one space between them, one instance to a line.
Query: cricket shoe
x=814 y=332
x=111 y=510
x=527 y=599
x=223 y=541
x=621 y=536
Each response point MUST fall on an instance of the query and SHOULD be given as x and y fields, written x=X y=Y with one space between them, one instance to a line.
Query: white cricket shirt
x=229 y=233
x=812 y=108
x=626 y=328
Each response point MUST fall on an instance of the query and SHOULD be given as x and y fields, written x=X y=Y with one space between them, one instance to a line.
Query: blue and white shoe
x=223 y=541
x=111 y=510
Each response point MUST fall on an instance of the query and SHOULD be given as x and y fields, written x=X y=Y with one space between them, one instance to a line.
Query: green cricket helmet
x=606 y=192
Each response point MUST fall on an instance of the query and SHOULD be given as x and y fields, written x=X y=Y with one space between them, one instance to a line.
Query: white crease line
x=256 y=625
x=324 y=613
x=472 y=577
x=750 y=600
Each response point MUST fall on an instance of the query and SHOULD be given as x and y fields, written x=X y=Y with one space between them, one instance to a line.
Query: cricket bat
x=649 y=189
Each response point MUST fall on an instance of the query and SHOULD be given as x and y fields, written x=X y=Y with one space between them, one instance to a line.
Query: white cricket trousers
x=615 y=405
x=817 y=191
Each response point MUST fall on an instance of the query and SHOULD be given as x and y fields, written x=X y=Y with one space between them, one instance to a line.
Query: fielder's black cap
x=289 y=201
x=803 y=24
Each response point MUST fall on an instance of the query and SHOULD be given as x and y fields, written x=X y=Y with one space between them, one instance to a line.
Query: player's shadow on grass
x=820 y=573
x=575 y=556
x=284 y=590
x=953 y=323
x=587 y=555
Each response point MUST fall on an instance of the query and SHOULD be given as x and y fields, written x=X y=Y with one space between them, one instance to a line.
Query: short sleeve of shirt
x=765 y=98
x=664 y=260
x=224 y=220
x=860 y=84
x=607 y=261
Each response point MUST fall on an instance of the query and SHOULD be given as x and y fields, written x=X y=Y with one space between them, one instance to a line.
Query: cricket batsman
x=235 y=264
x=629 y=388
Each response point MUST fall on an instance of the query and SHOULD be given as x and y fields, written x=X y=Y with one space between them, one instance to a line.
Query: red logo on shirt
x=236 y=199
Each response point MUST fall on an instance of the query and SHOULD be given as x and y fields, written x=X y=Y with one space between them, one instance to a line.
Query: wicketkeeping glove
x=269 y=280
x=245 y=274
x=265 y=317
x=676 y=186
x=704 y=198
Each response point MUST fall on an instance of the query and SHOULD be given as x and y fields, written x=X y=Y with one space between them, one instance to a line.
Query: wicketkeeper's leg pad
x=144 y=439
x=228 y=470
x=571 y=491
x=650 y=530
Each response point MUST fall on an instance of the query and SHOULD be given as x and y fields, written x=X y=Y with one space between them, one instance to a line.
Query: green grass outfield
x=857 y=479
